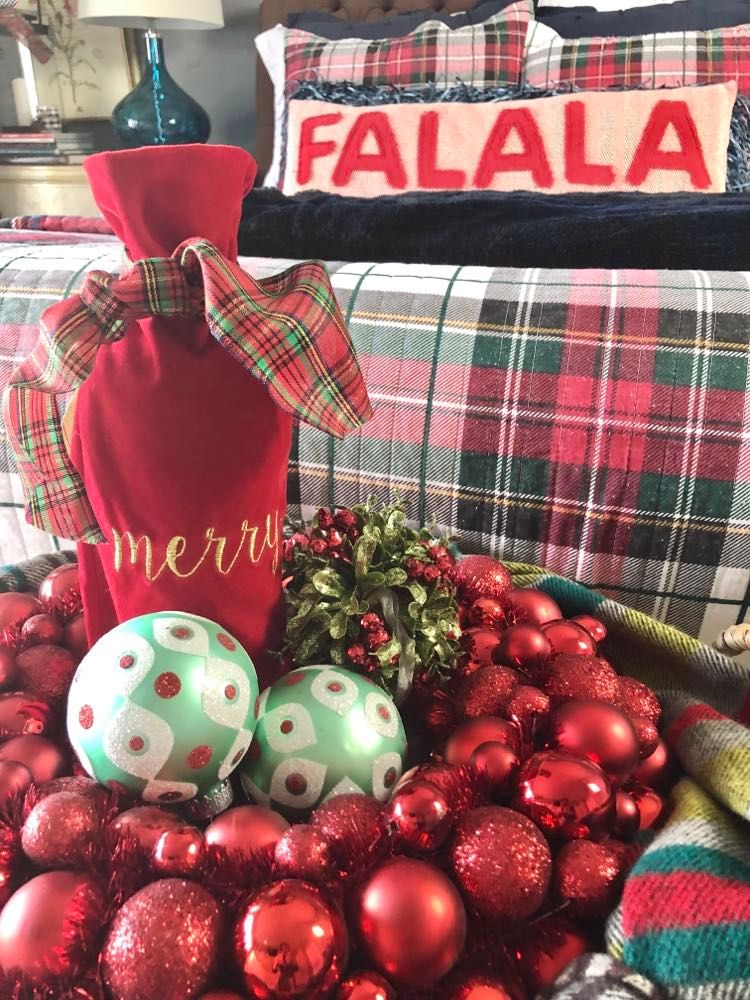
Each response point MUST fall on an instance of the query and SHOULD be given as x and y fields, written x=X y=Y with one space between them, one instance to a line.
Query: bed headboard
x=277 y=11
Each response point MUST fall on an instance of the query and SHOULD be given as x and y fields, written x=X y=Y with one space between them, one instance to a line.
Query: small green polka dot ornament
x=164 y=704
x=323 y=731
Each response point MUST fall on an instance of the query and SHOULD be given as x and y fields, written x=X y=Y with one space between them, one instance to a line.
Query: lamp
x=157 y=111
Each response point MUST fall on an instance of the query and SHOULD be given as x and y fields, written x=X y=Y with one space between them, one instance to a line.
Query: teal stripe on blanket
x=670 y=955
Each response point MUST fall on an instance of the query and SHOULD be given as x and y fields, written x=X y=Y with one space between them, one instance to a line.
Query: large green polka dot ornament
x=323 y=731
x=164 y=704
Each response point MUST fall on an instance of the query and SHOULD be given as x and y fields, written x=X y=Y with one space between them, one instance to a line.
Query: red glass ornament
x=178 y=852
x=486 y=692
x=50 y=926
x=529 y=707
x=501 y=862
x=419 y=818
x=163 y=942
x=487 y=612
x=483 y=986
x=23 y=714
x=498 y=767
x=637 y=699
x=59 y=582
x=365 y=986
x=479 y=644
x=41 y=630
x=596 y=629
x=356 y=826
x=146 y=824
x=304 y=852
x=15 y=778
x=47 y=671
x=567 y=637
x=545 y=949
x=290 y=942
x=456 y=783
x=246 y=829
x=60 y=830
x=411 y=921
x=598 y=731
x=587 y=678
x=587 y=878
x=568 y=797
x=464 y=741
x=533 y=606
x=74 y=637
x=627 y=815
x=480 y=576
x=647 y=734
x=650 y=806
x=526 y=648
x=659 y=770
x=43 y=758
x=16 y=608
x=8 y=670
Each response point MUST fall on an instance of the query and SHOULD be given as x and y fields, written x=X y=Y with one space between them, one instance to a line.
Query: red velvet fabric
x=183 y=454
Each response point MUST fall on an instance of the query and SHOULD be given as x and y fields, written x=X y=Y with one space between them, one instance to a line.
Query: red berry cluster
x=330 y=536
x=373 y=635
x=436 y=564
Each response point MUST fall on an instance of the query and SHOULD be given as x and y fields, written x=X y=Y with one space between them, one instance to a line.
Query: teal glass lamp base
x=159 y=112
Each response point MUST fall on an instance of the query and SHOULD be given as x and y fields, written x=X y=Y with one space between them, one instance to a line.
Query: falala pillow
x=622 y=141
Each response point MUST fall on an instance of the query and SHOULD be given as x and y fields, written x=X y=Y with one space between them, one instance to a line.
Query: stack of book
x=26 y=146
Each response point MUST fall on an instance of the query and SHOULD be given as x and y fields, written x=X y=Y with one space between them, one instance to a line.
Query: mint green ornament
x=164 y=704
x=323 y=731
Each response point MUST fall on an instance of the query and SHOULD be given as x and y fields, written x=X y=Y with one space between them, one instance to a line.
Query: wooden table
x=45 y=190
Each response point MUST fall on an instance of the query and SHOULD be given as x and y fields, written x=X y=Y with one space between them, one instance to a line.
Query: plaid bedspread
x=592 y=422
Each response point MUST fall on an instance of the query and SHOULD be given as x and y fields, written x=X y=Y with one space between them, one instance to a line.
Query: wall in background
x=217 y=68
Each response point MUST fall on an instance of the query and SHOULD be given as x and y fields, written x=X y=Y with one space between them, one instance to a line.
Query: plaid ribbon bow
x=286 y=330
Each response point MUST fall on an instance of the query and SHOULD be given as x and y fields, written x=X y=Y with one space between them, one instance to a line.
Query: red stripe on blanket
x=689 y=899
x=692 y=715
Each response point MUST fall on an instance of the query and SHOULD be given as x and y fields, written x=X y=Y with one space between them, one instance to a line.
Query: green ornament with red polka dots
x=323 y=731
x=163 y=705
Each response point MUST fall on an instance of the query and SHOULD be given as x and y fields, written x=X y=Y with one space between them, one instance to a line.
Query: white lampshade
x=160 y=15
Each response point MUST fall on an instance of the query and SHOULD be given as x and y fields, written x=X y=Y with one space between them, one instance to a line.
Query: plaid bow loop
x=286 y=330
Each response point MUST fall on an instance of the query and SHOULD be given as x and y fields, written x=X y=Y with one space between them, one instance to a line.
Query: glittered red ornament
x=487 y=612
x=8 y=670
x=480 y=576
x=637 y=699
x=650 y=806
x=178 y=852
x=304 y=852
x=486 y=692
x=47 y=671
x=545 y=948
x=501 y=862
x=419 y=818
x=78 y=784
x=587 y=879
x=598 y=731
x=74 y=637
x=43 y=758
x=479 y=644
x=59 y=582
x=16 y=608
x=23 y=714
x=464 y=741
x=483 y=986
x=596 y=629
x=50 y=926
x=529 y=708
x=146 y=824
x=498 y=767
x=365 y=985
x=627 y=815
x=568 y=797
x=533 y=606
x=246 y=830
x=568 y=637
x=15 y=778
x=60 y=830
x=647 y=735
x=659 y=770
x=356 y=826
x=41 y=630
x=411 y=921
x=163 y=942
x=290 y=942
x=526 y=648
x=588 y=678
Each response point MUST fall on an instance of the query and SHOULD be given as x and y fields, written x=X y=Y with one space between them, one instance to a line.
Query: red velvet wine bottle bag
x=183 y=454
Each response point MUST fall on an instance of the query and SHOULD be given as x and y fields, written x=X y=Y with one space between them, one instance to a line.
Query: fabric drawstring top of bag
x=286 y=330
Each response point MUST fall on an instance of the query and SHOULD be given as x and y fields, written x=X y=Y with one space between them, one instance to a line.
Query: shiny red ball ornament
x=43 y=758
x=479 y=644
x=659 y=770
x=290 y=942
x=23 y=714
x=16 y=608
x=528 y=707
x=304 y=852
x=59 y=582
x=598 y=731
x=483 y=986
x=487 y=612
x=456 y=783
x=568 y=797
x=51 y=925
x=587 y=879
x=480 y=576
x=637 y=699
x=596 y=629
x=498 y=767
x=178 y=852
x=74 y=637
x=501 y=862
x=8 y=670
x=526 y=648
x=647 y=734
x=356 y=826
x=41 y=630
x=411 y=922
x=47 y=671
x=246 y=830
x=650 y=804
x=486 y=692
x=533 y=606
x=627 y=815
x=162 y=943
x=419 y=818
x=545 y=949
x=489 y=729
x=146 y=824
x=15 y=778
x=365 y=985
x=60 y=830
x=568 y=637
x=587 y=678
